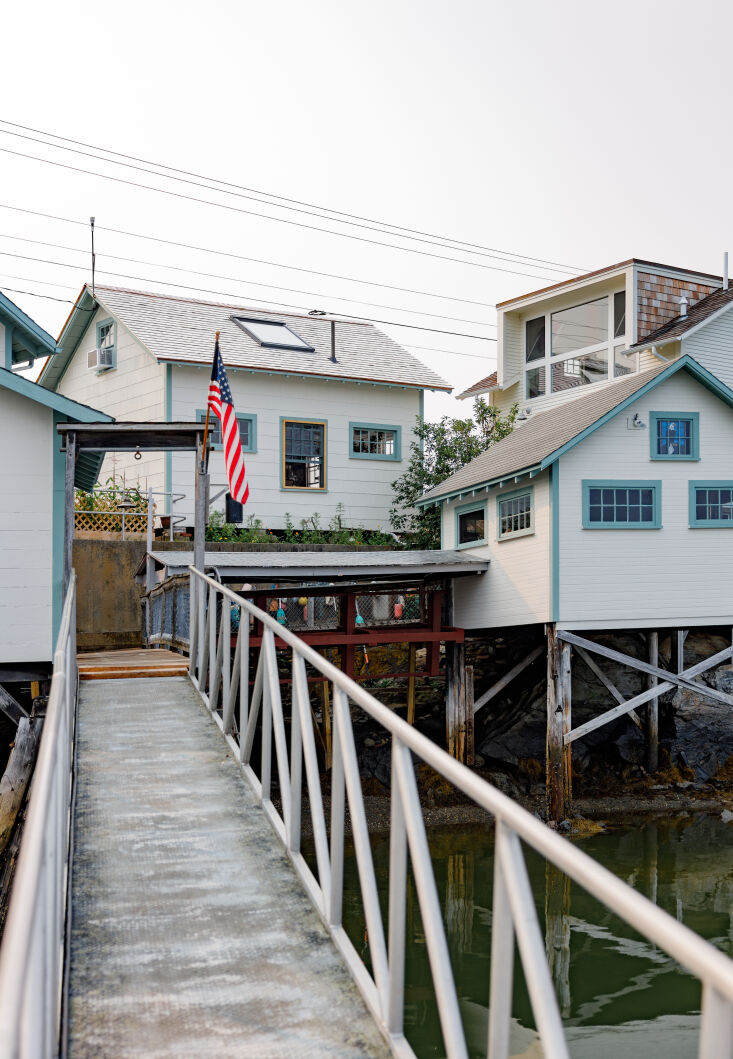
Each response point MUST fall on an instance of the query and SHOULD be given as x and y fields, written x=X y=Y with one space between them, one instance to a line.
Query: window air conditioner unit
x=101 y=359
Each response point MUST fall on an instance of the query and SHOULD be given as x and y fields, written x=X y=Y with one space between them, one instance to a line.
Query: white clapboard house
x=327 y=408
x=32 y=499
x=614 y=511
x=583 y=333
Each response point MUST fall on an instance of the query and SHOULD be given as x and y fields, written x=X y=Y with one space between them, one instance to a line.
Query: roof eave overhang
x=685 y=363
x=479 y=487
x=284 y=373
x=646 y=344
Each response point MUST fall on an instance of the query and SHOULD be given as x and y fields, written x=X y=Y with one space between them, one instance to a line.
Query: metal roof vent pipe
x=333 y=342
x=725 y=270
x=683 y=306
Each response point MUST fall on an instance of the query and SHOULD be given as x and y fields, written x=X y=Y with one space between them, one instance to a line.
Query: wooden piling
x=558 y=755
x=651 y=717
x=459 y=704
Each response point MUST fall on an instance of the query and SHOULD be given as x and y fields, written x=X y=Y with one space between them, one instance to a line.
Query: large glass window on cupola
x=576 y=346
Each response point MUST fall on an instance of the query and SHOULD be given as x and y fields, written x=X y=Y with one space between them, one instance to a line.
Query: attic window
x=271 y=334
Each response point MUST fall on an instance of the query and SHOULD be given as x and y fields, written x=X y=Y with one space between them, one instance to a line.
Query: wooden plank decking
x=191 y=936
x=111 y=665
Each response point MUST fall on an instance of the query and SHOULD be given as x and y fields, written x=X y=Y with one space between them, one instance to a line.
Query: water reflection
x=618 y=994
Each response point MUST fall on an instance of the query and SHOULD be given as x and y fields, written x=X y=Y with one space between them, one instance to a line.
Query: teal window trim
x=694 y=419
x=593 y=483
x=695 y=522
x=395 y=458
x=251 y=445
x=100 y=325
x=477 y=505
x=316 y=421
x=513 y=495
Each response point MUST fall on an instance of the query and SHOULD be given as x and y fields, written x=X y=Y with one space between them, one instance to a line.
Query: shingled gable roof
x=182 y=330
x=697 y=316
x=482 y=386
x=540 y=441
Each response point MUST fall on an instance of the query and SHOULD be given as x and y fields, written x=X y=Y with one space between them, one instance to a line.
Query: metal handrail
x=32 y=950
x=514 y=913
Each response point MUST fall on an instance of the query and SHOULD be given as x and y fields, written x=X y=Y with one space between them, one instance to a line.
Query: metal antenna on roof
x=91 y=222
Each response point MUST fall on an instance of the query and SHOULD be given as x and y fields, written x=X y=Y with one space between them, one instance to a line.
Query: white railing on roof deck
x=32 y=949
x=216 y=675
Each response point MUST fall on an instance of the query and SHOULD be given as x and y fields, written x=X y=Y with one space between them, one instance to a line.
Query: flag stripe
x=221 y=404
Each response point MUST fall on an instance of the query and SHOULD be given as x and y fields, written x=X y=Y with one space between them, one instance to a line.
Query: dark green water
x=619 y=995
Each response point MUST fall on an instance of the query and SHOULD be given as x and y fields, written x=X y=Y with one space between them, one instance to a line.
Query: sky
x=520 y=142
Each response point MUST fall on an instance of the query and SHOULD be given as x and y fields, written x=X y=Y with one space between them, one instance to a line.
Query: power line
x=242 y=257
x=215 y=275
x=351 y=217
x=254 y=298
x=255 y=213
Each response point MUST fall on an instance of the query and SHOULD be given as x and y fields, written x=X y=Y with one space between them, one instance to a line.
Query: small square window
x=247 y=430
x=674 y=435
x=470 y=525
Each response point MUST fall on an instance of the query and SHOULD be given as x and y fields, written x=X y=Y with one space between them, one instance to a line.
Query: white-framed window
x=515 y=514
x=575 y=346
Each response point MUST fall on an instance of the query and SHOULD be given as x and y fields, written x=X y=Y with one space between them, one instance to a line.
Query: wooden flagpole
x=206 y=424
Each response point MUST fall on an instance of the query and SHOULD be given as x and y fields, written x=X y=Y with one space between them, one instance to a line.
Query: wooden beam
x=469 y=754
x=651 y=718
x=18 y=772
x=200 y=507
x=596 y=669
x=681 y=679
x=69 y=509
x=459 y=725
x=558 y=789
x=500 y=684
x=412 y=655
x=645 y=696
x=10 y=707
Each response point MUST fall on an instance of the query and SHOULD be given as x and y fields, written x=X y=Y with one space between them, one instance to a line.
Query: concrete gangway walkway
x=191 y=935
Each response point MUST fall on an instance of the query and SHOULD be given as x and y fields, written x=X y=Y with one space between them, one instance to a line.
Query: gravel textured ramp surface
x=191 y=934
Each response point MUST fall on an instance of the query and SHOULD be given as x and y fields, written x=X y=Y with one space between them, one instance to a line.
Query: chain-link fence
x=166 y=613
x=166 y=610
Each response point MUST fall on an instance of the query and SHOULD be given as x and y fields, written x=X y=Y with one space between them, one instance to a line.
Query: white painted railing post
x=338 y=810
x=193 y=587
x=397 y=905
x=226 y=654
x=514 y=911
x=502 y=966
x=716 y=1031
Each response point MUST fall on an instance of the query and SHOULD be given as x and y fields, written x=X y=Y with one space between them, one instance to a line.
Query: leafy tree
x=438 y=450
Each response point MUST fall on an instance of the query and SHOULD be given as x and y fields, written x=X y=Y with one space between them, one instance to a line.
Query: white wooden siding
x=516 y=588
x=712 y=346
x=673 y=576
x=363 y=486
x=133 y=391
x=26 y=497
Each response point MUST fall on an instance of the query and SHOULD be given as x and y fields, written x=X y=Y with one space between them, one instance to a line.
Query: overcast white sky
x=576 y=132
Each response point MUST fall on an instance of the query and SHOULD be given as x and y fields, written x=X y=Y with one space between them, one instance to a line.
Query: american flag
x=220 y=402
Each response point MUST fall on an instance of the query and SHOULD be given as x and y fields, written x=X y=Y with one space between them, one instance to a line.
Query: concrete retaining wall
x=108 y=600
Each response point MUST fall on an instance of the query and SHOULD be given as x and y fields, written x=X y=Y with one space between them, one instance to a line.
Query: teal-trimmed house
x=22 y=340
x=327 y=407
x=580 y=334
x=32 y=517
x=558 y=507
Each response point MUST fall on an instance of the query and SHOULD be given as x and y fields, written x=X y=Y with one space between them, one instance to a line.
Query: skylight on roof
x=271 y=334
